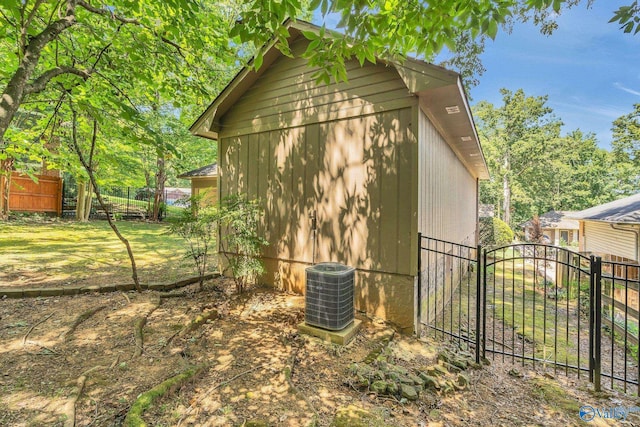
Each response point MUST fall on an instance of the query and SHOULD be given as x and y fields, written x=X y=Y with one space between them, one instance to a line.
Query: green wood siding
x=355 y=173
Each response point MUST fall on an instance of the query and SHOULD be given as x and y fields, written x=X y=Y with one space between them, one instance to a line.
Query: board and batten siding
x=447 y=197
x=356 y=174
x=600 y=238
x=287 y=96
x=447 y=200
x=347 y=152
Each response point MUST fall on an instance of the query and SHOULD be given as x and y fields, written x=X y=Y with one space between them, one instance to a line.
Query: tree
x=580 y=174
x=52 y=47
x=518 y=137
x=626 y=150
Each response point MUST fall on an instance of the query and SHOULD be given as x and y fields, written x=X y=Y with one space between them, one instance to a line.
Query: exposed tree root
x=173 y=295
x=70 y=407
x=193 y=325
x=139 y=326
x=199 y=321
x=81 y=318
x=24 y=339
x=146 y=399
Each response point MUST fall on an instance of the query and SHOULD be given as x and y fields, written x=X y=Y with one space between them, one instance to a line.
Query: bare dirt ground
x=79 y=358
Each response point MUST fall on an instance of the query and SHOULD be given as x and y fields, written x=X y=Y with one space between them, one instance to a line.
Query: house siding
x=446 y=191
x=347 y=152
x=286 y=95
x=600 y=238
x=447 y=200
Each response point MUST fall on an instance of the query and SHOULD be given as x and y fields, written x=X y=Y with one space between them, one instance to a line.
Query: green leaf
x=257 y=60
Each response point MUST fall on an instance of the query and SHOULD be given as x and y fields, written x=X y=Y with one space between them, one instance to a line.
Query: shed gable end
x=286 y=95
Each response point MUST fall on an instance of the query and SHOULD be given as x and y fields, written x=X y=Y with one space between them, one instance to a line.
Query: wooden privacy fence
x=26 y=195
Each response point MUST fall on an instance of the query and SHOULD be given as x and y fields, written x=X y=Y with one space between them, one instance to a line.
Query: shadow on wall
x=355 y=174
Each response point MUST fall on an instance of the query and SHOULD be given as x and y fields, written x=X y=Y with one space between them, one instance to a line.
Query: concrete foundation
x=341 y=337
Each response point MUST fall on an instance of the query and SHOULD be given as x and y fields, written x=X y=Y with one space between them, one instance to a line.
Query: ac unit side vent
x=329 y=296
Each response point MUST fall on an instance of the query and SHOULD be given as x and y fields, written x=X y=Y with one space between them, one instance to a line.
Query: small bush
x=197 y=226
x=239 y=240
x=502 y=233
x=495 y=232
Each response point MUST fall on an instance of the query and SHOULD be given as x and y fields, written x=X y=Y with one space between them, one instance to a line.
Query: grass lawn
x=551 y=323
x=70 y=253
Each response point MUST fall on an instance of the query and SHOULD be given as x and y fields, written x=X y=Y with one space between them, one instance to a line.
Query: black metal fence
x=531 y=303
x=123 y=202
x=448 y=286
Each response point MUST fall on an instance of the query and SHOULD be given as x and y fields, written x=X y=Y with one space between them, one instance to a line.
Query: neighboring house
x=371 y=162
x=173 y=194
x=557 y=227
x=204 y=179
x=612 y=230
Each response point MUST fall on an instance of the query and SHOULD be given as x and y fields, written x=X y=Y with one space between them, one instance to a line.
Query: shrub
x=495 y=232
x=240 y=242
x=197 y=226
x=502 y=233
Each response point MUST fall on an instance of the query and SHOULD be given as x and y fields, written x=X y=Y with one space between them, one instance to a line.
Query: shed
x=612 y=230
x=557 y=227
x=390 y=153
x=204 y=179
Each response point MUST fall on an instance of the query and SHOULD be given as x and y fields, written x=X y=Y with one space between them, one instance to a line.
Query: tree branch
x=40 y=83
x=131 y=21
x=26 y=23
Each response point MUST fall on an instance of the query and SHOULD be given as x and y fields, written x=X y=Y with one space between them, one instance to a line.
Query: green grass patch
x=518 y=298
x=69 y=252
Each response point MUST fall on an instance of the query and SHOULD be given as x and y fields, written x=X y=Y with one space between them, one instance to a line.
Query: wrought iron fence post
x=419 y=290
x=479 y=301
x=483 y=304
x=597 y=354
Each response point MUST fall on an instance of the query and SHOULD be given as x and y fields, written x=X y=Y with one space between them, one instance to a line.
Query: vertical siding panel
x=447 y=208
x=262 y=176
x=311 y=190
x=354 y=217
x=406 y=191
x=273 y=194
x=389 y=191
x=373 y=170
x=240 y=162
x=300 y=236
x=253 y=167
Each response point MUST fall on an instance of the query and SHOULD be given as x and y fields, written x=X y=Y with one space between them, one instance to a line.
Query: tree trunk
x=88 y=167
x=80 y=201
x=87 y=202
x=6 y=168
x=16 y=89
x=161 y=178
x=506 y=192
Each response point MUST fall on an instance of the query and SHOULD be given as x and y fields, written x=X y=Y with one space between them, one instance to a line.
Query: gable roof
x=556 y=219
x=436 y=88
x=626 y=210
x=204 y=171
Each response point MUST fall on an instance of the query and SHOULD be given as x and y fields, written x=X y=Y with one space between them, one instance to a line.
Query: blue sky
x=589 y=68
